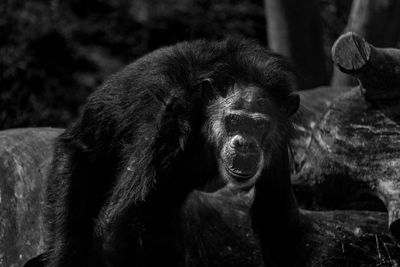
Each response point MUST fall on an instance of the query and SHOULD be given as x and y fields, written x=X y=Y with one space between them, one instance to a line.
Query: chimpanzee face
x=245 y=126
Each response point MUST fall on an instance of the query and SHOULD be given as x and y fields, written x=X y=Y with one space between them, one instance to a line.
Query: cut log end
x=351 y=52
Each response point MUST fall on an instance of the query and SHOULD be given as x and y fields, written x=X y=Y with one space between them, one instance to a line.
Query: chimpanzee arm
x=144 y=188
x=67 y=215
x=76 y=185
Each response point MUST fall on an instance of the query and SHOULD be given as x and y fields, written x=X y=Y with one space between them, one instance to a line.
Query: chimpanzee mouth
x=239 y=175
x=241 y=164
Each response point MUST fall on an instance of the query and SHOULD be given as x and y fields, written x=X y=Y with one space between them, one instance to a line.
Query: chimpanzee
x=197 y=115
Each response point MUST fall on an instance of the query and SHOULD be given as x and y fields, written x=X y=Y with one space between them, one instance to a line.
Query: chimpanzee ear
x=207 y=90
x=291 y=104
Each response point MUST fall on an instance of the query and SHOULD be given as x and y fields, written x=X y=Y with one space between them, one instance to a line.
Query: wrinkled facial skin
x=246 y=127
x=243 y=130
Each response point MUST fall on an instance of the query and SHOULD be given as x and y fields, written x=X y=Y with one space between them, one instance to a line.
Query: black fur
x=122 y=172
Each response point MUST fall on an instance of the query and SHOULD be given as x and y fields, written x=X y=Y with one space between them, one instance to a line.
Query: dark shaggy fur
x=121 y=173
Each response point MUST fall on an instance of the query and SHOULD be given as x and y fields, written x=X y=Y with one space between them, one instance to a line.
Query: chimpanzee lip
x=239 y=175
x=241 y=164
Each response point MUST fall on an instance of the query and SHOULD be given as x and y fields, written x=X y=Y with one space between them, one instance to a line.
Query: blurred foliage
x=54 y=53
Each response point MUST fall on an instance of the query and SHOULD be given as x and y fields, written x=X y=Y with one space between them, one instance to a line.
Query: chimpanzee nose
x=242 y=144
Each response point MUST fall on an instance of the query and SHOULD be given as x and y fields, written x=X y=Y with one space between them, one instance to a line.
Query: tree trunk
x=376 y=21
x=294 y=30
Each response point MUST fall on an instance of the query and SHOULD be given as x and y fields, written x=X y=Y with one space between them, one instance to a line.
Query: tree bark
x=294 y=30
x=313 y=105
x=354 y=154
x=378 y=69
x=355 y=149
x=24 y=157
x=378 y=22
x=349 y=238
x=219 y=232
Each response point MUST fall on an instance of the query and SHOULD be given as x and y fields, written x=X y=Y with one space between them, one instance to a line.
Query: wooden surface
x=378 y=22
x=24 y=158
x=355 y=151
x=220 y=234
x=313 y=105
x=378 y=69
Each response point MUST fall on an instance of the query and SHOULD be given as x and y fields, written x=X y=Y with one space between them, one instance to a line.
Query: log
x=314 y=104
x=377 y=69
x=378 y=22
x=349 y=238
x=24 y=157
x=354 y=154
x=220 y=229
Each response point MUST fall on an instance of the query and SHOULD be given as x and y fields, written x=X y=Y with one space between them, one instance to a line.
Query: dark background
x=54 y=53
